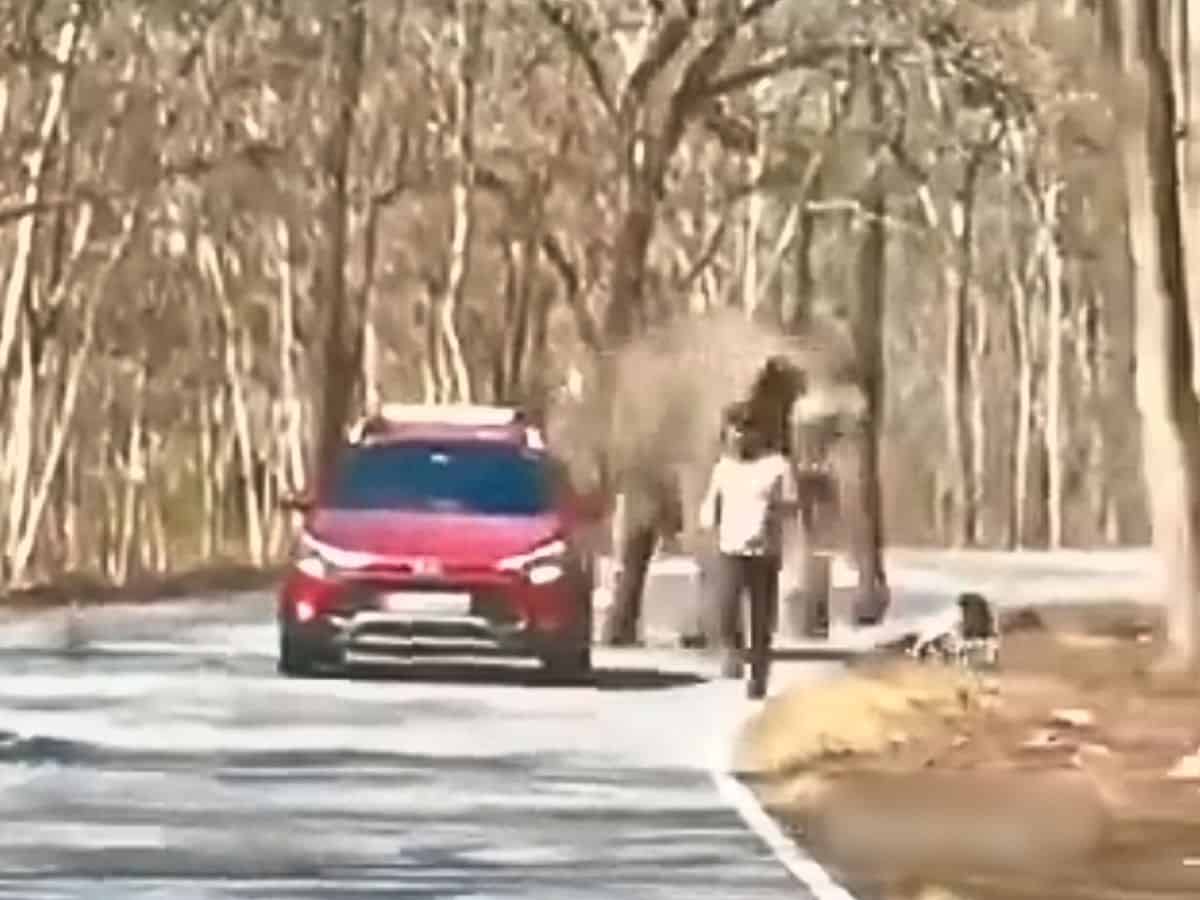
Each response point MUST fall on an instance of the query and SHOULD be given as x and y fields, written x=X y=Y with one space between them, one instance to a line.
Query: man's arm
x=788 y=496
x=710 y=507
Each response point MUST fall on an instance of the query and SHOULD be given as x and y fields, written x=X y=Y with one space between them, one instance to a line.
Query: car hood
x=450 y=537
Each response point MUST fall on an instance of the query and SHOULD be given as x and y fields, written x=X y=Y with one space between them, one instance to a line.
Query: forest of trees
x=227 y=226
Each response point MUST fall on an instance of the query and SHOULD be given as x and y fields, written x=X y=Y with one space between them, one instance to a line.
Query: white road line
x=799 y=864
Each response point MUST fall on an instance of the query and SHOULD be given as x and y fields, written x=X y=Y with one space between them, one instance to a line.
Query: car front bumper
x=349 y=621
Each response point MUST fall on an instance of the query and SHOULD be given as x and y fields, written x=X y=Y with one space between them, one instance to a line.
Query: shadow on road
x=832 y=653
x=608 y=678
x=181 y=659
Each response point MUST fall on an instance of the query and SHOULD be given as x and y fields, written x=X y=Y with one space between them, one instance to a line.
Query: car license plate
x=427 y=603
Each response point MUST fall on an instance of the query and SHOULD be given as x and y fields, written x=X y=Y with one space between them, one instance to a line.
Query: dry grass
x=868 y=712
x=963 y=803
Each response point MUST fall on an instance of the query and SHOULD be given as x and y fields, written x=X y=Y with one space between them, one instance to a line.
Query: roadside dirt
x=1071 y=772
x=211 y=579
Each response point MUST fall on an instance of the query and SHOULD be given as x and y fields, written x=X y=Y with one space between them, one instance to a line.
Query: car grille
x=489 y=627
x=487 y=603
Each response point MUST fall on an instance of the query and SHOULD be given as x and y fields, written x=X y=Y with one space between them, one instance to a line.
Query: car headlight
x=316 y=559
x=541 y=565
x=312 y=566
x=544 y=573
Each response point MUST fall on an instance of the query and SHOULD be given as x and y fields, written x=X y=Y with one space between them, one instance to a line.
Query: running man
x=752 y=490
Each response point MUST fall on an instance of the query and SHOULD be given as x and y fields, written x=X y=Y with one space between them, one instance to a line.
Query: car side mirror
x=296 y=501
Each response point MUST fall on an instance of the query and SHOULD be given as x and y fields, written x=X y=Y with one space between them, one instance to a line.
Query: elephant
x=653 y=436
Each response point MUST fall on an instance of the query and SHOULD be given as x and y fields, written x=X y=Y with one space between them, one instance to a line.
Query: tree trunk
x=1186 y=54
x=110 y=525
x=135 y=479
x=231 y=356
x=773 y=268
x=243 y=436
x=751 y=226
x=524 y=262
x=1089 y=348
x=22 y=549
x=536 y=392
x=805 y=282
x=219 y=474
x=504 y=336
x=72 y=501
x=342 y=338
x=1129 y=515
x=1167 y=399
x=18 y=455
x=208 y=494
x=868 y=351
x=1056 y=320
x=292 y=430
x=980 y=339
x=372 y=396
x=1023 y=415
x=1023 y=366
x=160 y=558
x=469 y=32
x=20 y=271
x=431 y=361
x=957 y=278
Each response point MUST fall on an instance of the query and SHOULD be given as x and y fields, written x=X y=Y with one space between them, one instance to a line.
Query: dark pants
x=732 y=578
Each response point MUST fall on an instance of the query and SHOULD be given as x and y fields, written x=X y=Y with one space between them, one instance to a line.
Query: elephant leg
x=622 y=626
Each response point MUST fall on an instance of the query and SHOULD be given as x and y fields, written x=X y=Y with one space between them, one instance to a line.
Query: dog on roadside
x=968 y=636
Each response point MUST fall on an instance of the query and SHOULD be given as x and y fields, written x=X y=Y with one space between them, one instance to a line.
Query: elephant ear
x=827 y=400
x=772 y=396
x=670 y=387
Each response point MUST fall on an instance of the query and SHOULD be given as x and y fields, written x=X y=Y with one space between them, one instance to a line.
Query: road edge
x=802 y=867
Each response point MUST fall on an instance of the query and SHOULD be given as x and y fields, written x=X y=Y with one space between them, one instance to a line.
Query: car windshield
x=481 y=479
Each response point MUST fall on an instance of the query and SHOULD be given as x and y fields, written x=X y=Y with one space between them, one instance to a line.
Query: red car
x=441 y=530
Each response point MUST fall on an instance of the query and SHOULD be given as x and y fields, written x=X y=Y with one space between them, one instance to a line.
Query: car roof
x=411 y=422
x=462 y=434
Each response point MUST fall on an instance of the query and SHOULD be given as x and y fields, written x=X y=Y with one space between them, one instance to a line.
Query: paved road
x=155 y=753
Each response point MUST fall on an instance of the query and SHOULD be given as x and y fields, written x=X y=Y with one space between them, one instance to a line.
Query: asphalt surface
x=154 y=752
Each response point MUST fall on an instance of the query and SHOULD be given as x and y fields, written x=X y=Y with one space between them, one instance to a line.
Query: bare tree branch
x=690 y=93
x=697 y=85
x=670 y=38
x=258 y=154
x=18 y=211
x=582 y=46
x=734 y=133
x=860 y=212
x=707 y=254
x=756 y=8
x=589 y=332
x=809 y=57
x=196 y=47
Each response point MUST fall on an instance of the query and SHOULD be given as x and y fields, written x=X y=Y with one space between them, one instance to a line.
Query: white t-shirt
x=744 y=503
